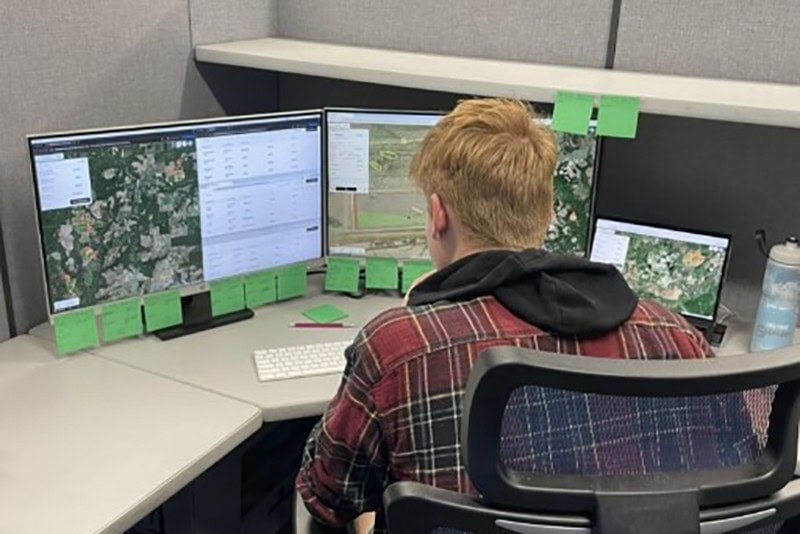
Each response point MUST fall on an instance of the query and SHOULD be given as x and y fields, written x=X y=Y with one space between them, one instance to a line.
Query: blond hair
x=492 y=162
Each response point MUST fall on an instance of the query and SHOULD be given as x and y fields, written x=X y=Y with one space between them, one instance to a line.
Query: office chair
x=671 y=490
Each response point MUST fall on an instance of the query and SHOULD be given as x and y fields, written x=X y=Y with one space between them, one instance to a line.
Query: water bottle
x=776 y=319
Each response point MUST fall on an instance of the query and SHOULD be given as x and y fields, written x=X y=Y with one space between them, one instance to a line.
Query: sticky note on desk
x=413 y=270
x=260 y=289
x=572 y=112
x=76 y=331
x=618 y=116
x=122 y=320
x=227 y=296
x=382 y=273
x=292 y=282
x=324 y=314
x=342 y=275
x=162 y=310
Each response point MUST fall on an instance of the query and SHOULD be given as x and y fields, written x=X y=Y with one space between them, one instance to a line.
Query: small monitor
x=681 y=270
x=132 y=211
x=375 y=210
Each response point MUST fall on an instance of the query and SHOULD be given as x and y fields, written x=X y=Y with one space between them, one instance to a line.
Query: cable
x=728 y=314
x=761 y=241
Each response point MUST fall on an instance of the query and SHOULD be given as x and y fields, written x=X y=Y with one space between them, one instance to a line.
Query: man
x=487 y=171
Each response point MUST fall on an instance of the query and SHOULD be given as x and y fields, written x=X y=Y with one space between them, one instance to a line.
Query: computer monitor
x=574 y=188
x=373 y=207
x=375 y=210
x=681 y=270
x=131 y=211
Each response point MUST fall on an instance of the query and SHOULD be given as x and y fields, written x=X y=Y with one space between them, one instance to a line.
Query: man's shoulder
x=651 y=317
x=651 y=313
x=399 y=334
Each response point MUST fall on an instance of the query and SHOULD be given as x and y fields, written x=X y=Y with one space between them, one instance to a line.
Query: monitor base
x=188 y=329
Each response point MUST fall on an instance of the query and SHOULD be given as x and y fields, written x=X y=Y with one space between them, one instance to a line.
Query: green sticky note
x=162 y=310
x=227 y=296
x=382 y=273
x=260 y=289
x=618 y=116
x=122 y=320
x=76 y=331
x=413 y=270
x=292 y=282
x=325 y=314
x=572 y=112
x=342 y=275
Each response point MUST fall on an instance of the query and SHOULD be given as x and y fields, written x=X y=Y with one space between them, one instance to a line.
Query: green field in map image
x=681 y=276
x=390 y=220
x=141 y=232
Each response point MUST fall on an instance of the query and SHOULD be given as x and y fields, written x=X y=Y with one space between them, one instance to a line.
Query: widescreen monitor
x=375 y=210
x=132 y=211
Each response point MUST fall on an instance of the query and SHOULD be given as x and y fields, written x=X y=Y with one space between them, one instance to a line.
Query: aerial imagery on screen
x=679 y=275
x=134 y=229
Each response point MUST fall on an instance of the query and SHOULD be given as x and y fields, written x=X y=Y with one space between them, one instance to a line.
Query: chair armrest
x=304 y=523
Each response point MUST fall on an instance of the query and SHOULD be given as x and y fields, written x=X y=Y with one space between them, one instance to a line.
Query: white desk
x=221 y=360
x=88 y=445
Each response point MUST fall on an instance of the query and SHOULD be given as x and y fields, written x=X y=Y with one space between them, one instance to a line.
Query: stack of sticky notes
x=617 y=116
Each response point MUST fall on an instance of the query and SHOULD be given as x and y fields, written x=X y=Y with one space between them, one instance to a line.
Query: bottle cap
x=787 y=253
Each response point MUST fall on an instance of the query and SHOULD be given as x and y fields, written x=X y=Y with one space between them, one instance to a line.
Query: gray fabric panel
x=737 y=39
x=568 y=32
x=81 y=64
x=216 y=21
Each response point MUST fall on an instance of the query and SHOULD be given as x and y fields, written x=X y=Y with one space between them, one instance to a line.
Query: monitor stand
x=197 y=317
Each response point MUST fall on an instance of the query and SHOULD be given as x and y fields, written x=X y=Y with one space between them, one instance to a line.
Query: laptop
x=681 y=270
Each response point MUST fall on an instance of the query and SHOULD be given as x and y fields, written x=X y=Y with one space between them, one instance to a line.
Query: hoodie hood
x=563 y=295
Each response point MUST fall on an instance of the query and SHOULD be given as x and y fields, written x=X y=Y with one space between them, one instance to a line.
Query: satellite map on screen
x=390 y=219
x=569 y=233
x=681 y=276
x=139 y=234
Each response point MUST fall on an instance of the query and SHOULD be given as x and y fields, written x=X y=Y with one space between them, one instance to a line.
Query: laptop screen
x=682 y=271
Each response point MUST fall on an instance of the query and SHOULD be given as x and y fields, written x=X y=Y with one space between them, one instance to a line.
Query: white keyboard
x=299 y=361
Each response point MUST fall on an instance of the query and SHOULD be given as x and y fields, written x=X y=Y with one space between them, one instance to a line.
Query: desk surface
x=89 y=445
x=221 y=360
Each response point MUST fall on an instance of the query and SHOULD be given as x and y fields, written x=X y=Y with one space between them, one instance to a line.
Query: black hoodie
x=563 y=295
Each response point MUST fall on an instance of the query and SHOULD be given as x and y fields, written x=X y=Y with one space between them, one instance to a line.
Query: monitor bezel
x=188 y=289
x=375 y=111
x=709 y=233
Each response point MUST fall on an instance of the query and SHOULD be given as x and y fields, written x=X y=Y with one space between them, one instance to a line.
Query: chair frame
x=710 y=501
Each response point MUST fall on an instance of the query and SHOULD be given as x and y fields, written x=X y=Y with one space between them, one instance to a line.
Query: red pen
x=322 y=325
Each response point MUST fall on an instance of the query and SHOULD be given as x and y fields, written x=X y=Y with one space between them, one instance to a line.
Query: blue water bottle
x=776 y=319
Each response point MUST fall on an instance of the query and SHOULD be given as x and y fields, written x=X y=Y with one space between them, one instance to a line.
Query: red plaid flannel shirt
x=397 y=413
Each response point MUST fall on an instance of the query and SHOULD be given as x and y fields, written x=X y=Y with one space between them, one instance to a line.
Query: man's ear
x=440 y=218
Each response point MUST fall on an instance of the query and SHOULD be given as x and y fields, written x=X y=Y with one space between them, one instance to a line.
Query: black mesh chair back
x=573 y=444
